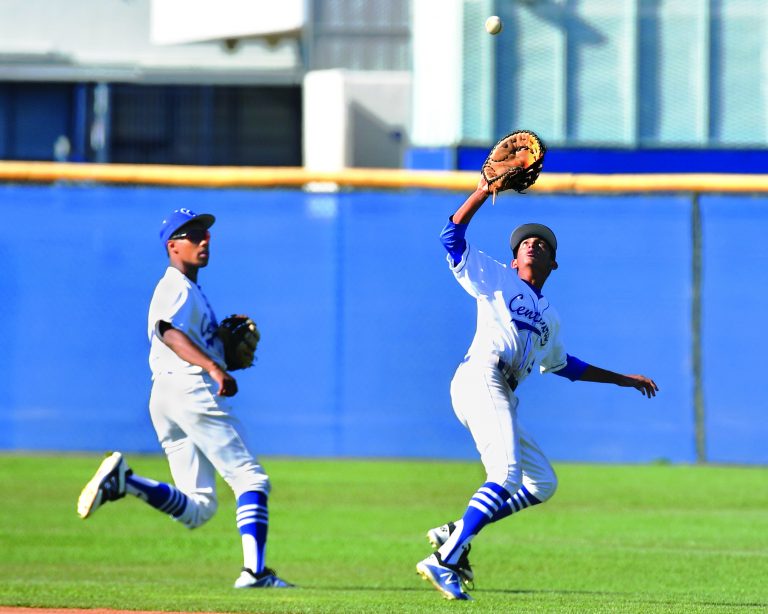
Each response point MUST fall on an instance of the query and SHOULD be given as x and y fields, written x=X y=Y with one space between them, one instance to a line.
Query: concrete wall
x=355 y=119
x=363 y=324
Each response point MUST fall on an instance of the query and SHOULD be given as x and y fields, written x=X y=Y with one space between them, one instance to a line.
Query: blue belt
x=506 y=371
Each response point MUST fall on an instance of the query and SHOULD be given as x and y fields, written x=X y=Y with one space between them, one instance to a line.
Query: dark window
x=208 y=125
x=32 y=117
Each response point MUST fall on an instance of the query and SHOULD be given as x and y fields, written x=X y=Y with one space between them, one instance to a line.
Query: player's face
x=535 y=255
x=192 y=246
x=534 y=248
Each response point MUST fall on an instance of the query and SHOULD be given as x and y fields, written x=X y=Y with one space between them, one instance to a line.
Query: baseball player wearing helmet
x=190 y=410
x=517 y=328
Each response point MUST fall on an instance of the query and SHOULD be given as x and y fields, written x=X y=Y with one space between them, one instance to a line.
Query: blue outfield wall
x=363 y=324
x=735 y=264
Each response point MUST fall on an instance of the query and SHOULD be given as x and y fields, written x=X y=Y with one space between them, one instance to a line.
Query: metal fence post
x=696 y=357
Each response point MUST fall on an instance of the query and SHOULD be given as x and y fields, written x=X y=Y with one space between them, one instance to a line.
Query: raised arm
x=472 y=204
x=452 y=236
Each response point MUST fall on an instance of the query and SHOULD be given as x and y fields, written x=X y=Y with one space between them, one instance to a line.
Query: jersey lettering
x=208 y=330
x=535 y=321
x=514 y=322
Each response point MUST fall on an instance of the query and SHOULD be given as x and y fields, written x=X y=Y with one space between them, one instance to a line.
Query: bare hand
x=227 y=383
x=644 y=384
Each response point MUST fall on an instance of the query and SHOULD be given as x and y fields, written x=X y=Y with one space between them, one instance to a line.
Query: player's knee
x=199 y=510
x=544 y=487
x=251 y=478
x=508 y=477
x=546 y=490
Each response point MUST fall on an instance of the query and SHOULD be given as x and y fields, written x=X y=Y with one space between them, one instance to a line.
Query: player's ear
x=514 y=263
x=554 y=264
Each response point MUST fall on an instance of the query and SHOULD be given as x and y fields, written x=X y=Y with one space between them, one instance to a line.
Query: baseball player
x=516 y=329
x=190 y=410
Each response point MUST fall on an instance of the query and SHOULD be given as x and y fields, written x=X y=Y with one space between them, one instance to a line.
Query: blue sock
x=516 y=503
x=253 y=522
x=483 y=505
x=159 y=495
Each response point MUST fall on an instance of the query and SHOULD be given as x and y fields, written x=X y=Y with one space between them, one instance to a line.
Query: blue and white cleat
x=266 y=579
x=438 y=536
x=107 y=484
x=443 y=577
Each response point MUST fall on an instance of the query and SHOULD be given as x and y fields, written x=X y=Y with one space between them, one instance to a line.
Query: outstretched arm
x=640 y=382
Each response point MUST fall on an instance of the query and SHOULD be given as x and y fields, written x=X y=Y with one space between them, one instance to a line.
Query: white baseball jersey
x=514 y=322
x=180 y=302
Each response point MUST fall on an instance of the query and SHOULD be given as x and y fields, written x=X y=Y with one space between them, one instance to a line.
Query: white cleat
x=439 y=535
x=107 y=484
x=266 y=579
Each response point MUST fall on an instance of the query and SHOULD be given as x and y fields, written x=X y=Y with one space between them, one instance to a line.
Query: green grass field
x=654 y=538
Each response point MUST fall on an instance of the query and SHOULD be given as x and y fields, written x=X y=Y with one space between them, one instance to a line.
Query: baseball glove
x=514 y=162
x=240 y=337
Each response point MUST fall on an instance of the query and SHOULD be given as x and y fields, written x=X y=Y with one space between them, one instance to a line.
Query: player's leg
x=484 y=404
x=488 y=408
x=191 y=499
x=538 y=485
x=253 y=523
x=227 y=449
x=114 y=479
x=539 y=479
x=220 y=437
x=193 y=492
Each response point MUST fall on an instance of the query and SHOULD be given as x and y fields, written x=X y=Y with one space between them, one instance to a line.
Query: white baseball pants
x=200 y=437
x=485 y=404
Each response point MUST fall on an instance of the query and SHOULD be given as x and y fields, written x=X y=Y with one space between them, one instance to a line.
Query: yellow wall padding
x=266 y=177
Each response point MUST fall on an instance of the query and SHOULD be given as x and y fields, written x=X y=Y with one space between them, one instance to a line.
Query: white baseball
x=493 y=24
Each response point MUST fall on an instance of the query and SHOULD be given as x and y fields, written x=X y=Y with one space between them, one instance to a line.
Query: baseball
x=493 y=24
